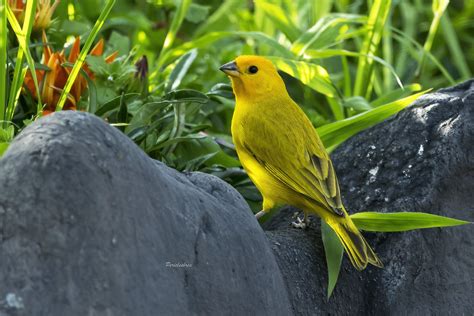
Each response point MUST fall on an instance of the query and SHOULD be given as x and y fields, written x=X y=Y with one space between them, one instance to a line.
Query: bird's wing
x=296 y=157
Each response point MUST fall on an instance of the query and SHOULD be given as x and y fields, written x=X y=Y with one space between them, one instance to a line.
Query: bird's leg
x=301 y=223
x=260 y=214
x=307 y=221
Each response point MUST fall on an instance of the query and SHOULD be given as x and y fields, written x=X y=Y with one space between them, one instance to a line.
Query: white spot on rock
x=421 y=150
x=14 y=301
x=374 y=171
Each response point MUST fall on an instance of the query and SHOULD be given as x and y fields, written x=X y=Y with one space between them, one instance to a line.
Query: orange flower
x=17 y=7
x=44 y=12
x=52 y=81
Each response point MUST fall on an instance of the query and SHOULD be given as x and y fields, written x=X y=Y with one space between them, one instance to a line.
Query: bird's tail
x=355 y=244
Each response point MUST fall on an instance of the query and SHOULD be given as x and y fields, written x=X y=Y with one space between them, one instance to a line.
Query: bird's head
x=254 y=77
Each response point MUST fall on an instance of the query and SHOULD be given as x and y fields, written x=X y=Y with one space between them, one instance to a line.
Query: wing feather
x=302 y=163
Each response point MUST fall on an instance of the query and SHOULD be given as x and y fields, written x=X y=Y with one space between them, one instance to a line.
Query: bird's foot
x=259 y=214
x=299 y=223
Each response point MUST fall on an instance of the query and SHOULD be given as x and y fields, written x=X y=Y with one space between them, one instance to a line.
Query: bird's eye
x=253 y=69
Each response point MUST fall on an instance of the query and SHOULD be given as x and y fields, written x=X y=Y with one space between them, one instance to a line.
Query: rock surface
x=421 y=160
x=89 y=225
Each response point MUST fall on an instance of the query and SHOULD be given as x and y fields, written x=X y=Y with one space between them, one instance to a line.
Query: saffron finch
x=284 y=156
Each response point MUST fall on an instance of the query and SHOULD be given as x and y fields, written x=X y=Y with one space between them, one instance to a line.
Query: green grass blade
x=402 y=37
x=178 y=18
x=280 y=19
x=23 y=36
x=334 y=251
x=3 y=59
x=210 y=38
x=82 y=56
x=438 y=7
x=376 y=22
x=307 y=39
x=403 y=221
x=452 y=43
x=334 y=134
x=312 y=75
x=222 y=12
x=396 y=94
x=328 y=53
x=409 y=19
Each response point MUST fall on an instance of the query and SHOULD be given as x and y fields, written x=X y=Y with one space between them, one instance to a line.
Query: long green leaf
x=178 y=18
x=220 y=14
x=307 y=39
x=402 y=37
x=23 y=37
x=376 y=22
x=83 y=54
x=280 y=18
x=334 y=134
x=438 y=7
x=180 y=69
x=210 y=38
x=452 y=41
x=315 y=76
x=3 y=59
x=328 y=53
x=403 y=221
x=334 y=251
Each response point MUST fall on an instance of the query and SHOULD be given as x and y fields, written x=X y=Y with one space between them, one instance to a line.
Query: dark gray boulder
x=421 y=160
x=89 y=225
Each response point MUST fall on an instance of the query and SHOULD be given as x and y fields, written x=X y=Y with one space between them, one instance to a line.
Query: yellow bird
x=284 y=156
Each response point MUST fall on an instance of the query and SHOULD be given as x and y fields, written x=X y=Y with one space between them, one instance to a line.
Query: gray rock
x=89 y=225
x=421 y=160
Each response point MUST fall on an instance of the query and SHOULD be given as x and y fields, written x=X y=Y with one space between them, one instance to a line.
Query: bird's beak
x=230 y=69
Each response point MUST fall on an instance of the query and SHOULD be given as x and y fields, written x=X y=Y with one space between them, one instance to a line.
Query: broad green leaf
x=3 y=148
x=7 y=133
x=192 y=150
x=334 y=134
x=334 y=251
x=186 y=95
x=180 y=69
x=359 y=104
x=176 y=140
x=396 y=94
x=222 y=90
x=197 y=13
x=400 y=222
x=220 y=16
x=113 y=104
x=312 y=75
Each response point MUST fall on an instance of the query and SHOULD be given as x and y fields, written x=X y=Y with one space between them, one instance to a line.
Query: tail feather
x=356 y=246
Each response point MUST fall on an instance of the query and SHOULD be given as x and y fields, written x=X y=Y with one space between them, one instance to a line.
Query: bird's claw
x=299 y=223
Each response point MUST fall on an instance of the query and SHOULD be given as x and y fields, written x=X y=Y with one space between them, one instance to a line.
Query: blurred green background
x=349 y=64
